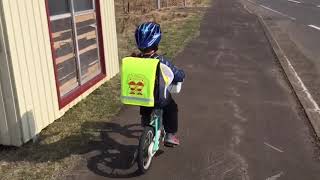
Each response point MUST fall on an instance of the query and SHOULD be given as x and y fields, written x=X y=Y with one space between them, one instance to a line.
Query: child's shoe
x=171 y=140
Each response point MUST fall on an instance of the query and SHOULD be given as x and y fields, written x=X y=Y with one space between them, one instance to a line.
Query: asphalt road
x=238 y=118
x=295 y=26
x=305 y=28
x=304 y=11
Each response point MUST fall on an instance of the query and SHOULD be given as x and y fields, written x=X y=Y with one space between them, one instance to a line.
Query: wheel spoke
x=145 y=157
x=146 y=148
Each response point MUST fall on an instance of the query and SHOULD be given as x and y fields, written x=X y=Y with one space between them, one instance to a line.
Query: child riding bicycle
x=148 y=36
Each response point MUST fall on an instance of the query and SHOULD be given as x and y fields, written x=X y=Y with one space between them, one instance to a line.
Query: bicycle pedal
x=169 y=145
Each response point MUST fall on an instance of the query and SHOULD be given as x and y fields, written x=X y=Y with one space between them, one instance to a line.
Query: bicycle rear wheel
x=144 y=155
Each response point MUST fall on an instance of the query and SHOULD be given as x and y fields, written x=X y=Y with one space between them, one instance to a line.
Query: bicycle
x=152 y=135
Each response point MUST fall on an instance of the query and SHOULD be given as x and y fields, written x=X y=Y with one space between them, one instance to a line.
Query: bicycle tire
x=145 y=140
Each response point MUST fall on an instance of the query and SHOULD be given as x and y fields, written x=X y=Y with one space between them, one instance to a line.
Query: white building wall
x=30 y=102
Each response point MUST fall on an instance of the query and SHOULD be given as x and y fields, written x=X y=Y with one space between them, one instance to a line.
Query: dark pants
x=170 y=116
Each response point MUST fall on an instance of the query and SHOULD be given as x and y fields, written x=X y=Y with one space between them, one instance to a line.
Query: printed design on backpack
x=137 y=84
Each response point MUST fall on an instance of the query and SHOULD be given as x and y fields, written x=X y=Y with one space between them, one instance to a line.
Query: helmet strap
x=150 y=54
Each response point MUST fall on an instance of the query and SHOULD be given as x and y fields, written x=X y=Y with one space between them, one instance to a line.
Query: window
x=83 y=5
x=75 y=39
x=58 y=7
x=65 y=54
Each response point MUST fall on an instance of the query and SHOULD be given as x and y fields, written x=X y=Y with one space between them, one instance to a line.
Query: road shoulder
x=297 y=83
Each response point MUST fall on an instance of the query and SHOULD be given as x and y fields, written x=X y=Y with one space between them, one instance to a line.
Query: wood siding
x=28 y=94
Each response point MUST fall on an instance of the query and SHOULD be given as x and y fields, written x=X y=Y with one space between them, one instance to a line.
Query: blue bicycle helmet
x=148 y=35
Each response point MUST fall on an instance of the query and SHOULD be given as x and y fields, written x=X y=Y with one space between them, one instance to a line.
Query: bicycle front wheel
x=144 y=155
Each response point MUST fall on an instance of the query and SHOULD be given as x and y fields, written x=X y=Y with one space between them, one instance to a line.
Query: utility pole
x=158 y=4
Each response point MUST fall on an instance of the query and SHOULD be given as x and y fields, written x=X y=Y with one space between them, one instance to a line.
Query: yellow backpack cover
x=138 y=76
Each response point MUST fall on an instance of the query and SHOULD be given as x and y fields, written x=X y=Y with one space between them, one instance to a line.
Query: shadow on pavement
x=114 y=156
x=108 y=148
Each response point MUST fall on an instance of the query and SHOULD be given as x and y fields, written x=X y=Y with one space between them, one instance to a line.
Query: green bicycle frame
x=156 y=123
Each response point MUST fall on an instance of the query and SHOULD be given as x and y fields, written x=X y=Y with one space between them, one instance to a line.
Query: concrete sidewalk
x=238 y=117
